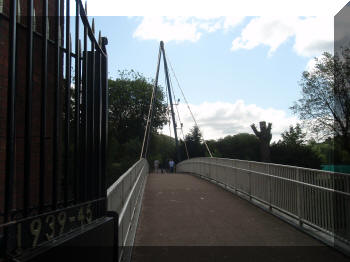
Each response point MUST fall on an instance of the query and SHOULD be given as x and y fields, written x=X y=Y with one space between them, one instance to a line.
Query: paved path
x=184 y=218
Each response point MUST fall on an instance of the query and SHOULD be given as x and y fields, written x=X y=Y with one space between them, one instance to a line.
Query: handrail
x=121 y=178
x=277 y=165
x=313 y=198
x=285 y=179
x=124 y=197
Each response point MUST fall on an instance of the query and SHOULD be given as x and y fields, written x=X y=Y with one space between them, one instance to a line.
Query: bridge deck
x=187 y=218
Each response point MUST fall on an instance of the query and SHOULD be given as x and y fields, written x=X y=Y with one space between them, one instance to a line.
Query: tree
x=241 y=146
x=162 y=148
x=264 y=137
x=194 y=142
x=325 y=103
x=292 y=150
x=294 y=136
x=297 y=155
x=129 y=101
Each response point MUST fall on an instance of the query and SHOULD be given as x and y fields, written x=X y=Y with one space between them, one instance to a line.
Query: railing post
x=250 y=181
x=234 y=164
x=299 y=198
x=270 y=188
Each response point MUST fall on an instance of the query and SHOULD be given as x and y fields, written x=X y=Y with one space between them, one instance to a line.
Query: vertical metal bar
x=328 y=203
x=250 y=182
x=320 y=202
x=326 y=206
x=309 y=197
x=43 y=106
x=97 y=126
x=28 y=109
x=77 y=103
x=236 y=175
x=312 y=197
x=91 y=119
x=85 y=116
x=67 y=104
x=11 y=96
x=89 y=171
x=269 y=188
x=299 y=199
x=100 y=126
x=57 y=108
x=104 y=76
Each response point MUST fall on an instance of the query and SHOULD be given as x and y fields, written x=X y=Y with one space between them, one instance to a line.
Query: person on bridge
x=156 y=166
x=171 y=165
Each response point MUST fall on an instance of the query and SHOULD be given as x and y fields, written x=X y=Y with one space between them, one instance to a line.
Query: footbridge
x=228 y=208
x=54 y=202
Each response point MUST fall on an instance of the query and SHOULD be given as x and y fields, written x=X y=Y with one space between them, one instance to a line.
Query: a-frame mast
x=148 y=131
x=171 y=101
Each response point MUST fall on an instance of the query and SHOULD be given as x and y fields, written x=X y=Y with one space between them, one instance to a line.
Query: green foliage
x=330 y=152
x=292 y=150
x=162 y=148
x=241 y=146
x=194 y=143
x=294 y=136
x=323 y=150
x=129 y=101
x=297 y=155
x=325 y=102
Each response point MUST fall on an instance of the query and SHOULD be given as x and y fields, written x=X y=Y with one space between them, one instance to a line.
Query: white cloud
x=312 y=35
x=219 y=119
x=232 y=21
x=181 y=29
x=167 y=29
x=267 y=31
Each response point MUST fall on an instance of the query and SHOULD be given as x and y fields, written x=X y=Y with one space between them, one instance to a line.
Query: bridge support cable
x=170 y=99
x=178 y=115
x=188 y=106
x=150 y=112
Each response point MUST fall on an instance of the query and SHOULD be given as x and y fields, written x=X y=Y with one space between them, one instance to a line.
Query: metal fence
x=55 y=123
x=125 y=197
x=316 y=201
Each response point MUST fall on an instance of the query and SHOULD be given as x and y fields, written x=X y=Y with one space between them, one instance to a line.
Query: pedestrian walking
x=156 y=166
x=171 y=165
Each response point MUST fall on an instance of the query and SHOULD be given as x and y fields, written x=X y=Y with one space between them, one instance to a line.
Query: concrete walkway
x=184 y=218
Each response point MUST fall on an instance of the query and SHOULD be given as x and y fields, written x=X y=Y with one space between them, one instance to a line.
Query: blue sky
x=234 y=71
x=208 y=70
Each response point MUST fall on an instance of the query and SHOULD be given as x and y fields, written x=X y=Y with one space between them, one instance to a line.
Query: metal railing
x=124 y=197
x=54 y=128
x=316 y=201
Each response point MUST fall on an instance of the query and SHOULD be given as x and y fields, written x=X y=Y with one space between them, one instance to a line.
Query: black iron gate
x=53 y=124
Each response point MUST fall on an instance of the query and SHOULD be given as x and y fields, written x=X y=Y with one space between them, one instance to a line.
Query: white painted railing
x=316 y=201
x=125 y=197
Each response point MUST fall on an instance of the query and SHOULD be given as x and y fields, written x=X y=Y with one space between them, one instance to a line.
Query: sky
x=238 y=62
